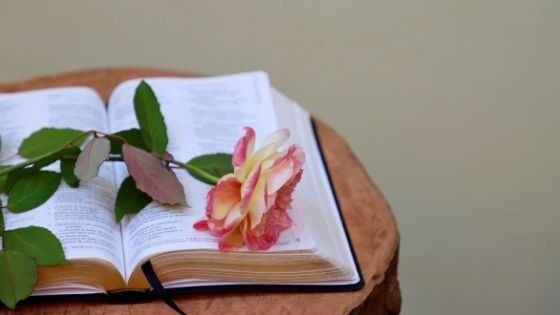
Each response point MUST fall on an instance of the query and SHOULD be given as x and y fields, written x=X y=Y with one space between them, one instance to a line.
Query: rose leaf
x=94 y=153
x=152 y=177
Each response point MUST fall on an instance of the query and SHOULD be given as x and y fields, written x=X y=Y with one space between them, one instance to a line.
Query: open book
x=203 y=115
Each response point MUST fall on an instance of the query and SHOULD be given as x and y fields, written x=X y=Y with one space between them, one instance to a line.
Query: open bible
x=203 y=115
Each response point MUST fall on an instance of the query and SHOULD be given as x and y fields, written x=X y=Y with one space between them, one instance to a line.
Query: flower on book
x=249 y=206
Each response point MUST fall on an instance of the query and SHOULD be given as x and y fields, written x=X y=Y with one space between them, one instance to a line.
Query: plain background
x=452 y=106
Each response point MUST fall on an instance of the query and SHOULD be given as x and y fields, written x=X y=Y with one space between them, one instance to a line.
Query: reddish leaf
x=152 y=177
x=95 y=152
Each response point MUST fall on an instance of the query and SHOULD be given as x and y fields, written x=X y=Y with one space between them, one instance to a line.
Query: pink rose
x=249 y=206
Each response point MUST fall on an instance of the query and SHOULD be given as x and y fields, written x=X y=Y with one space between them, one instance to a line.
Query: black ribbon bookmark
x=153 y=279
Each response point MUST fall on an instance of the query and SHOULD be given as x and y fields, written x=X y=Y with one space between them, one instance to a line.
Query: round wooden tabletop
x=368 y=217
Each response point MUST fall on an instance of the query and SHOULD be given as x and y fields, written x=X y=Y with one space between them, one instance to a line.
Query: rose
x=249 y=206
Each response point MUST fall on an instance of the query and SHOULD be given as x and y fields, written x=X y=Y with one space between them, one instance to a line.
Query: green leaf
x=36 y=242
x=15 y=176
x=4 y=179
x=39 y=162
x=46 y=161
x=48 y=140
x=95 y=152
x=150 y=119
x=7 y=181
x=33 y=190
x=67 y=165
x=2 y=225
x=18 y=276
x=132 y=137
x=152 y=177
x=70 y=152
x=130 y=200
x=210 y=168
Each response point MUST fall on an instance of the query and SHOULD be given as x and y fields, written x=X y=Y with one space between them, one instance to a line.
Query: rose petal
x=284 y=168
x=297 y=156
x=279 y=136
x=253 y=195
x=284 y=194
x=232 y=241
x=222 y=197
x=293 y=153
x=234 y=216
x=219 y=228
x=271 y=159
x=250 y=183
x=278 y=175
x=274 y=222
x=278 y=219
x=244 y=147
x=201 y=225
x=270 y=146
x=257 y=206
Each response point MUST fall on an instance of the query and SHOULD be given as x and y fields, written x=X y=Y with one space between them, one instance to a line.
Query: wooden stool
x=371 y=225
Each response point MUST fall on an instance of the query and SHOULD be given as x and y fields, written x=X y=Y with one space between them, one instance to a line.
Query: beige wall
x=453 y=107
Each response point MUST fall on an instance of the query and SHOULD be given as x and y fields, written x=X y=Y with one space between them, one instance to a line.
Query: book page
x=203 y=115
x=328 y=228
x=81 y=218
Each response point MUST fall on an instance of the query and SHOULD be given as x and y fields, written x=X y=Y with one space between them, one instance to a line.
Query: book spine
x=125 y=296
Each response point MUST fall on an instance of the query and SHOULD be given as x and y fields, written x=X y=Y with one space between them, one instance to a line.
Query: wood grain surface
x=369 y=219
